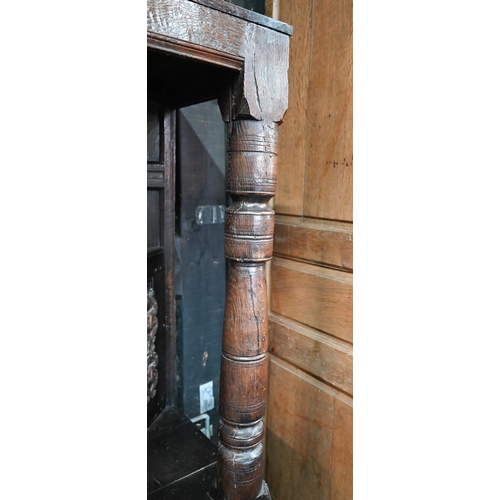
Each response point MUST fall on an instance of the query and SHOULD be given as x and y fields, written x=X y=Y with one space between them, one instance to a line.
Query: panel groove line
x=322 y=243
x=312 y=351
x=320 y=265
x=317 y=297
x=305 y=371
x=321 y=272
x=348 y=400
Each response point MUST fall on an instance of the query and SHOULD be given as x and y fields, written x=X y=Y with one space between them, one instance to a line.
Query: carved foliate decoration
x=152 y=356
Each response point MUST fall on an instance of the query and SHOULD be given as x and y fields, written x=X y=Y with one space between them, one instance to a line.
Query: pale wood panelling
x=318 y=297
x=310 y=436
x=312 y=351
x=327 y=243
x=309 y=418
x=292 y=133
x=328 y=177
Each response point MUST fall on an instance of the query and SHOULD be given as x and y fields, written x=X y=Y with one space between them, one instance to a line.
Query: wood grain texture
x=309 y=428
x=194 y=30
x=318 y=297
x=248 y=15
x=248 y=229
x=312 y=351
x=328 y=243
x=328 y=179
x=199 y=25
x=342 y=463
x=292 y=141
x=271 y=73
x=261 y=92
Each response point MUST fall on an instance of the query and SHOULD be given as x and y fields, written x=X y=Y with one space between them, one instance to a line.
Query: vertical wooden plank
x=328 y=176
x=292 y=138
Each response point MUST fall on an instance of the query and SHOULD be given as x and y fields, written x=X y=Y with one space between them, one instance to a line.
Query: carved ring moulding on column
x=226 y=35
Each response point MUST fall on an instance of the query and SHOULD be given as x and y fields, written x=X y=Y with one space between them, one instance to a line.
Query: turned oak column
x=253 y=108
x=249 y=227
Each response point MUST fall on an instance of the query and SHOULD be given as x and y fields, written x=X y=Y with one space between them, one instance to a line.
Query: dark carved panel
x=152 y=356
x=158 y=351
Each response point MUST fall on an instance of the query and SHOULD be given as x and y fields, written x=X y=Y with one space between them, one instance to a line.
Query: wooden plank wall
x=309 y=419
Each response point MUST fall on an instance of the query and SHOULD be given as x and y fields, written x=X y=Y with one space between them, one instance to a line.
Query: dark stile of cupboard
x=160 y=230
x=199 y=51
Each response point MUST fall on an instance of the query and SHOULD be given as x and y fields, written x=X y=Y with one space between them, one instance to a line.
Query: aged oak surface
x=253 y=104
x=253 y=108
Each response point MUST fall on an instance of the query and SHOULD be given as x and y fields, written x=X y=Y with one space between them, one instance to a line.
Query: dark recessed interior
x=182 y=81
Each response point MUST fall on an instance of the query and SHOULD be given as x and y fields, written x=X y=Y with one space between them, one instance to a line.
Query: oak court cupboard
x=200 y=50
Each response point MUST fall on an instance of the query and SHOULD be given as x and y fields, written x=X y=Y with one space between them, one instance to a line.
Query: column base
x=264 y=492
x=263 y=495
